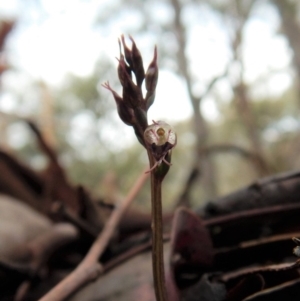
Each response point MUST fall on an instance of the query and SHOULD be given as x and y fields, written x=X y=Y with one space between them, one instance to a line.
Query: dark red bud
x=123 y=74
x=132 y=95
x=127 y=51
x=141 y=118
x=150 y=97
x=126 y=114
x=137 y=63
x=127 y=67
x=152 y=74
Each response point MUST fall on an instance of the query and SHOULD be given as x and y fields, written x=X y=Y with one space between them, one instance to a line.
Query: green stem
x=157 y=236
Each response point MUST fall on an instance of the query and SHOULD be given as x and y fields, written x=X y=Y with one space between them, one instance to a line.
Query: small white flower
x=160 y=138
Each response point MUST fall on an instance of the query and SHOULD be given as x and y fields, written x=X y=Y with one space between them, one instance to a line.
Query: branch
x=90 y=268
x=279 y=189
x=183 y=62
x=183 y=200
x=44 y=145
x=199 y=123
x=288 y=11
x=221 y=148
x=16 y=182
x=58 y=209
x=240 y=89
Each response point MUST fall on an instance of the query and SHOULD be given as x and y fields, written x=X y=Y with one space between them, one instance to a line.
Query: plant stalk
x=157 y=236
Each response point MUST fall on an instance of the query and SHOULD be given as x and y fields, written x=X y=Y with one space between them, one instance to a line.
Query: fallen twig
x=90 y=268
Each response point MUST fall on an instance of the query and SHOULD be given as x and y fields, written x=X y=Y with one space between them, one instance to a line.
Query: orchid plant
x=158 y=138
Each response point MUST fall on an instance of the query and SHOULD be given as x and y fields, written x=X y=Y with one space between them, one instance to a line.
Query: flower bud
x=151 y=81
x=137 y=63
x=141 y=118
x=123 y=72
x=127 y=67
x=132 y=95
x=127 y=51
x=126 y=114
x=152 y=74
x=150 y=97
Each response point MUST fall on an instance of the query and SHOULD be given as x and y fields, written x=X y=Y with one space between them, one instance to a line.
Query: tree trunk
x=204 y=164
x=288 y=11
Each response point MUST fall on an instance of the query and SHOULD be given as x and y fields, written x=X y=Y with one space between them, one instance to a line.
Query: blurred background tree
x=237 y=63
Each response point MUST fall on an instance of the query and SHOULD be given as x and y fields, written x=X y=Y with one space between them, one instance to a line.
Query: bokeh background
x=229 y=83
